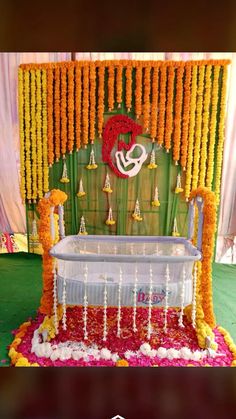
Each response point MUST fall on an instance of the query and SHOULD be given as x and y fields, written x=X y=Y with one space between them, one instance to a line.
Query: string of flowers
x=119 y=72
x=85 y=310
x=167 y=280
x=92 y=91
x=22 y=132
x=70 y=109
x=63 y=111
x=198 y=129
x=162 y=102
x=205 y=127
x=64 y=316
x=135 y=298
x=138 y=91
x=39 y=133
x=178 y=113
x=85 y=109
x=55 y=297
x=153 y=129
x=213 y=120
x=101 y=93
x=194 y=295
x=33 y=135
x=128 y=88
x=182 y=298
x=150 y=302
x=169 y=108
x=110 y=85
x=57 y=124
x=119 y=303
x=49 y=86
x=219 y=153
x=105 y=311
x=44 y=132
x=188 y=180
x=27 y=136
x=146 y=104
x=186 y=117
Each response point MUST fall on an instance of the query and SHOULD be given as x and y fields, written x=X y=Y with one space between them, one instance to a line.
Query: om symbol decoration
x=118 y=160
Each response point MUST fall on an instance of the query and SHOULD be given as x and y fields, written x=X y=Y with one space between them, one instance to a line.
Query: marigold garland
x=186 y=116
x=229 y=341
x=191 y=131
x=22 y=132
x=219 y=153
x=178 y=114
x=78 y=105
x=101 y=93
x=198 y=129
x=128 y=88
x=146 y=104
x=213 y=120
x=44 y=132
x=138 y=91
x=169 y=107
x=33 y=134
x=16 y=357
x=63 y=111
x=92 y=80
x=205 y=126
x=162 y=102
x=110 y=85
x=153 y=129
x=85 y=110
x=119 y=72
x=39 y=132
x=27 y=136
x=70 y=109
x=50 y=115
x=57 y=125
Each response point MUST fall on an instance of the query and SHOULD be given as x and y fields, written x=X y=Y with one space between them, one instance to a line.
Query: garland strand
x=49 y=86
x=92 y=80
x=162 y=101
x=169 y=107
x=70 y=109
x=63 y=111
x=57 y=114
x=27 y=136
x=101 y=73
x=111 y=80
x=146 y=105
x=178 y=114
x=21 y=98
x=153 y=130
x=44 y=132
x=205 y=127
x=33 y=134
x=128 y=88
x=186 y=116
x=119 y=72
x=85 y=110
x=78 y=105
x=39 y=133
x=138 y=91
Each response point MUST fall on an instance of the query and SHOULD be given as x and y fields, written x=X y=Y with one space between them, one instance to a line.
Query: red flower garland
x=118 y=124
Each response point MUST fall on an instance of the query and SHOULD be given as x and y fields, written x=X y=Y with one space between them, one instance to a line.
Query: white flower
x=152 y=353
x=173 y=353
x=197 y=355
x=128 y=354
x=65 y=354
x=115 y=357
x=185 y=353
x=105 y=353
x=55 y=355
x=76 y=355
x=145 y=348
x=161 y=352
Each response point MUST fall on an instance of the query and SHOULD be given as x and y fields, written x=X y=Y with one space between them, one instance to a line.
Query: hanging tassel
x=178 y=188
x=107 y=185
x=110 y=221
x=64 y=178
x=136 y=214
x=175 y=232
x=81 y=191
x=156 y=202
x=34 y=234
x=82 y=229
x=152 y=164
x=92 y=163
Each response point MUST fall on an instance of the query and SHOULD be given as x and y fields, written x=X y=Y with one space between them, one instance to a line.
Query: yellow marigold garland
x=198 y=129
x=101 y=93
x=219 y=153
x=138 y=91
x=22 y=132
x=229 y=341
x=162 y=102
x=63 y=111
x=205 y=126
x=169 y=107
x=39 y=132
x=50 y=128
x=70 y=109
x=27 y=135
x=191 y=131
x=128 y=88
x=146 y=104
x=153 y=129
x=119 y=72
x=57 y=125
x=178 y=114
x=186 y=116
x=111 y=80
x=85 y=110
x=16 y=357
x=44 y=126
x=213 y=120
x=33 y=135
x=78 y=105
x=92 y=78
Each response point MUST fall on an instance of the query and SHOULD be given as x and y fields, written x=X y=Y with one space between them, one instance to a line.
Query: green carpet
x=20 y=291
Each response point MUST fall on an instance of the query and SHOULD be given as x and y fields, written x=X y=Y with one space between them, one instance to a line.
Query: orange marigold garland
x=44 y=132
x=27 y=136
x=78 y=105
x=39 y=133
x=92 y=78
x=33 y=135
x=186 y=116
x=119 y=72
x=213 y=120
x=153 y=130
x=85 y=110
x=111 y=81
x=57 y=125
x=178 y=114
x=198 y=129
x=63 y=110
x=70 y=108
x=221 y=137
x=50 y=115
x=138 y=91
x=162 y=104
x=146 y=104
x=101 y=93
x=169 y=107
x=22 y=132
x=205 y=126
x=128 y=88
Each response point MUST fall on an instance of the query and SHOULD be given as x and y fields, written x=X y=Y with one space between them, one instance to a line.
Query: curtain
x=12 y=211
